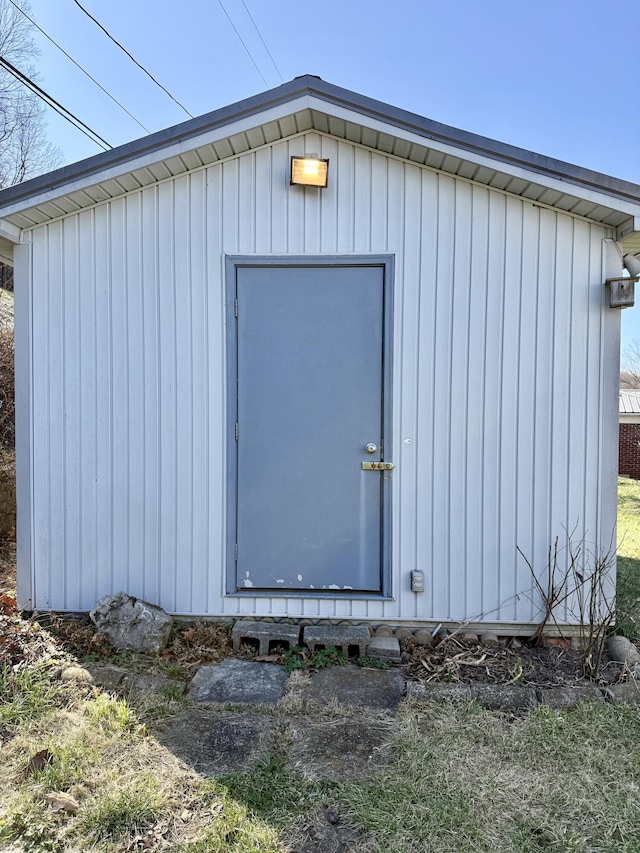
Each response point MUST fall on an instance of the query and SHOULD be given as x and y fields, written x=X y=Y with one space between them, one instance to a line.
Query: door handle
x=377 y=466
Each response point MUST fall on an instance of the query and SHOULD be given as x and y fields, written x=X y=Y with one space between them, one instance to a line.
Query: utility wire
x=63 y=111
x=77 y=64
x=132 y=58
x=242 y=42
x=261 y=39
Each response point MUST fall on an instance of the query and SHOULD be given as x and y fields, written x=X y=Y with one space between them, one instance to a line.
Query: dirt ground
x=7 y=566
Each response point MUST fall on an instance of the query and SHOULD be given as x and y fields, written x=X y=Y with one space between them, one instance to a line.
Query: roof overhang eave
x=311 y=104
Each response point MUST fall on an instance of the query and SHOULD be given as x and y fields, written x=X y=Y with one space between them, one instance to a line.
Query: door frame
x=232 y=264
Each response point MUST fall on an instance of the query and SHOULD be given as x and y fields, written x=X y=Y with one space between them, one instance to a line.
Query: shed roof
x=629 y=402
x=309 y=103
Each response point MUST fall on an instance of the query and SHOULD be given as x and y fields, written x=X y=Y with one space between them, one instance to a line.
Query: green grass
x=465 y=779
x=27 y=695
x=628 y=563
x=125 y=810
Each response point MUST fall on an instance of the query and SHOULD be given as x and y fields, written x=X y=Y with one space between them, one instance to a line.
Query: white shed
x=218 y=369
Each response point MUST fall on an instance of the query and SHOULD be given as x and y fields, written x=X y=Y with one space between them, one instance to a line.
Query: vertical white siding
x=499 y=409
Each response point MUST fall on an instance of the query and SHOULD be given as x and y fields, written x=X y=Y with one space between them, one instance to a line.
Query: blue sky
x=553 y=76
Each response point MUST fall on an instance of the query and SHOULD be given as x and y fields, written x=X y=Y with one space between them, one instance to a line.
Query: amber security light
x=309 y=171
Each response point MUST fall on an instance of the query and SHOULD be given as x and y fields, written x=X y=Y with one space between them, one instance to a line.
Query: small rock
x=622 y=650
x=61 y=802
x=423 y=638
x=130 y=623
x=489 y=639
x=469 y=637
x=78 y=674
x=403 y=634
x=383 y=631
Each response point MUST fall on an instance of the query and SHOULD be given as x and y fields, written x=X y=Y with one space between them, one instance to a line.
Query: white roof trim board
x=309 y=103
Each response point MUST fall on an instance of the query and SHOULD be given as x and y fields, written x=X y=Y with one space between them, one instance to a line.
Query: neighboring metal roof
x=629 y=402
x=307 y=103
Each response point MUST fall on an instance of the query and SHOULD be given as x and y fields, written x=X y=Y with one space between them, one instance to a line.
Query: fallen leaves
x=62 y=802
x=39 y=761
x=148 y=841
x=8 y=605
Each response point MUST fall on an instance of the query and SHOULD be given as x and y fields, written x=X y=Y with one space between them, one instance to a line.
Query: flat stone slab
x=351 y=685
x=436 y=692
x=217 y=743
x=337 y=750
x=239 y=682
x=268 y=634
x=569 y=697
x=141 y=683
x=629 y=692
x=504 y=697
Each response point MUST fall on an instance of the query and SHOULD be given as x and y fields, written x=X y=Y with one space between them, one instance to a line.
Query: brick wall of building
x=629 y=451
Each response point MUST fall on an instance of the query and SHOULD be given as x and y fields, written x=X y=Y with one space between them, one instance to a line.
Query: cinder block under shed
x=384 y=648
x=345 y=637
x=267 y=634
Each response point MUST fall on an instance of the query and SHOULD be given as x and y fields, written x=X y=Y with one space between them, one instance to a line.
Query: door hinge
x=235 y=307
x=235 y=552
x=236 y=430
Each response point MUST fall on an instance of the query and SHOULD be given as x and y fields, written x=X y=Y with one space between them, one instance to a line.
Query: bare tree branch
x=24 y=149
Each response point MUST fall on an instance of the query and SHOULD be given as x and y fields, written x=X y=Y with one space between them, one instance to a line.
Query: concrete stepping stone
x=629 y=692
x=569 y=697
x=351 y=685
x=239 y=682
x=505 y=697
x=434 y=691
x=337 y=750
x=217 y=743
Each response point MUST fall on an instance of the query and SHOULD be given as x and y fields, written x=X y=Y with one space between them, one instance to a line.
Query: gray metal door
x=309 y=382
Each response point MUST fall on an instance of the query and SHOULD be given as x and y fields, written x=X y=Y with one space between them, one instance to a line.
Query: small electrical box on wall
x=417 y=581
x=621 y=292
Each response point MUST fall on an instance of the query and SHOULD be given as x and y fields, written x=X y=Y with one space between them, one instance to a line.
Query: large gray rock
x=622 y=650
x=130 y=623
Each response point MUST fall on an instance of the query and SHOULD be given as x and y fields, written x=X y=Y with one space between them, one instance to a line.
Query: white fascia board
x=628 y=235
x=9 y=237
x=566 y=187
x=9 y=231
x=157 y=156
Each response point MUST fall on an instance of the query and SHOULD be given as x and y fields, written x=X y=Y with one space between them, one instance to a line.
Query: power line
x=132 y=58
x=262 y=40
x=77 y=64
x=242 y=42
x=63 y=111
